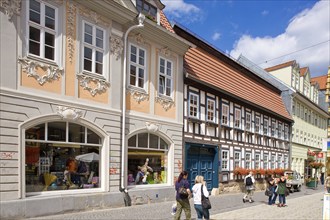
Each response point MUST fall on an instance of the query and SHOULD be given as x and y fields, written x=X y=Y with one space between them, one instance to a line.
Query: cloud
x=306 y=40
x=181 y=11
x=216 y=36
x=264 y=12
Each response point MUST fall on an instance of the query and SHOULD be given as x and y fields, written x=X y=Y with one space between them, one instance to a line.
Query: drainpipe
x=141 y=19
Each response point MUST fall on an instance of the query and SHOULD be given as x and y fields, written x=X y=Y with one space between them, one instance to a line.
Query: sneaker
x=250 y=201
x=243 y=200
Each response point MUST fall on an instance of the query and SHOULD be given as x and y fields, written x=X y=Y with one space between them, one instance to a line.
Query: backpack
x=183 y=192
x=248 y=181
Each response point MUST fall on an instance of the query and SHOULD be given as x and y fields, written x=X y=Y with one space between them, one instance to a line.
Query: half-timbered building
x=232 y=117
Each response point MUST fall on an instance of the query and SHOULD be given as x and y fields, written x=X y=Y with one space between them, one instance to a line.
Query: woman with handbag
x=182 y=196
x=200 y=189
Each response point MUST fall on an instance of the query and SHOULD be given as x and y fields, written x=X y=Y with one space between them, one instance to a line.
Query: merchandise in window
x=42 y=29
x=61 y=156
x=147 y=159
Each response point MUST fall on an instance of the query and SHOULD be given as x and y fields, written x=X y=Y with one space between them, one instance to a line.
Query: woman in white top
x=197 y=194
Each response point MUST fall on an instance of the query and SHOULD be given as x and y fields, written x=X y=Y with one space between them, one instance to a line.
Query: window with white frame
x=224 y=160
x=248 y=121
x=237 y=159
x=272 y=161
x=146 y=8
x=193 y=105
x=273 y=129
x=265 y=127
x=42 y=29
x=93 y=48
x=225 y=114
x=279 y=135
x=257 y=124
x=266 y=161
x=61 y=155
x=279 y=161
x=248 y=160
x=298 y=110
x=257 y=161
x=137 y=66
x=286 y=162
x=286 y=132
x=210 y=110
x=237 y=123
x=165 y=77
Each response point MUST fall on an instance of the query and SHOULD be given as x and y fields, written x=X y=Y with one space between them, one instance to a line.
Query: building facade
x=80 y=121
x=229 y=121
x=310 y=119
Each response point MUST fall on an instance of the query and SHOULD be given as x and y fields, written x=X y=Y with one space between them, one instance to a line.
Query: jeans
x=201 y=212
x=281 y=197
x=182 y=204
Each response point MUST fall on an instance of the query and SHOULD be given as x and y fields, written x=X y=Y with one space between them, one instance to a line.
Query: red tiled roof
x=303 y=71
x=207 y=68
x=280 y=66
x=165 y=23
x=321 y=80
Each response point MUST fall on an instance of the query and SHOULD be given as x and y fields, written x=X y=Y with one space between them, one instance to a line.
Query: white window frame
x=265 y=127
x=191 y=94
x=238 y=118
x=42 y=28
x=273 y=129
x=257 y=125
x=94 y=49
x=224 y=160
x=266 y=161
x=248 y=122
x=225 y=109
x=137 y=66
x=257 y=161
x=248 y=160
x=279 y=133
x=286 y=162
x=280 y=161
x=212 y=111
x=272 y=161
x=166 y=77
x=237 y=160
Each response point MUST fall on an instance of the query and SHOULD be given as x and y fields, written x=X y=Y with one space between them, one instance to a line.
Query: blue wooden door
x=201 y=160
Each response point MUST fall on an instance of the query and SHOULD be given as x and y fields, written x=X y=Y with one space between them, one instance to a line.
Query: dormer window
x=147 y=9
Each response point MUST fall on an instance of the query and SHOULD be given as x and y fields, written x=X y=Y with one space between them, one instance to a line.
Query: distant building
x=310 y=119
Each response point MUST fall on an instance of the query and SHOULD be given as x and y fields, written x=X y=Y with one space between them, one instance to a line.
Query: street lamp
x=140 y=19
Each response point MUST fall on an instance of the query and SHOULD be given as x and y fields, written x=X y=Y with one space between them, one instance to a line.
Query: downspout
x=141 y=19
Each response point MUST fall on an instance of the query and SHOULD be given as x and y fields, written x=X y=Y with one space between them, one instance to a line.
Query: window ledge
x=195 y=120
x=211 y=124
x=137 y=93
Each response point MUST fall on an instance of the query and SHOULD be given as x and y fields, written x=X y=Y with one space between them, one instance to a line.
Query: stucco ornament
x=116 y=46
x=69 y=113
x=30 y=67
x=165 y=51
x=71 y=19
x=11 y=7
x=166 y=103
x=94 y=16
x=139 y=39
x=152 y=127
x=137 y=95
x=85 y=81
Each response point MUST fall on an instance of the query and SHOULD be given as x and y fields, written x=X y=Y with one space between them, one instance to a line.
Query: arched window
x=61 y=156
x=147 y=159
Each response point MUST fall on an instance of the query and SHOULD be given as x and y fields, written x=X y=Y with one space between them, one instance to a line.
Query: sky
x=267 y=32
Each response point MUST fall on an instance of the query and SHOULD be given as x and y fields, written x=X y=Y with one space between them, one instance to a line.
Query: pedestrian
x=322 y=178
x=282 y=191
x=271 y=181
x=327 y=183
x=197 y=195
x=249 y=187
x=182 y=202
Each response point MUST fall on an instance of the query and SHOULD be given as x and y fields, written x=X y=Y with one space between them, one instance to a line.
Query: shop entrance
x=202 y=160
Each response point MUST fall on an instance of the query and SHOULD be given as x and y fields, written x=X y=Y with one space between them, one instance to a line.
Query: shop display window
x=61 y=156
x=147 y=160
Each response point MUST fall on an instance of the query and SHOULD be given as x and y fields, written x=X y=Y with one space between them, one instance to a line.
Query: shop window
x=147 y=159
x=61 y=156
